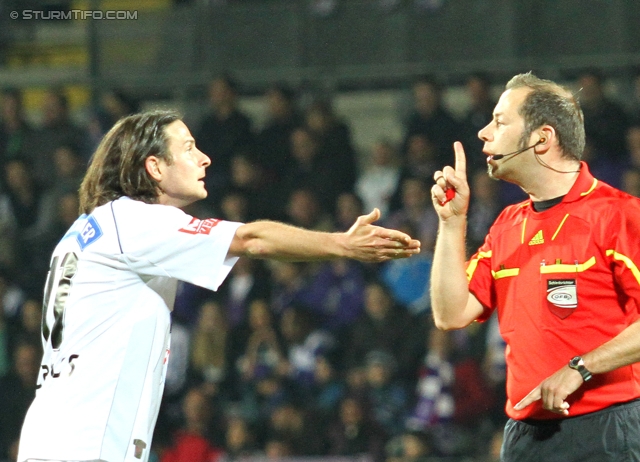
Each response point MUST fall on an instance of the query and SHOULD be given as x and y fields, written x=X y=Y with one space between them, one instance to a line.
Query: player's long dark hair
x=117 y=167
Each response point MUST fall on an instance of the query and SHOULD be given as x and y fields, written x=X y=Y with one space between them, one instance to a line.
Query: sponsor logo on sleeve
x=197 y=226
x=89 y=233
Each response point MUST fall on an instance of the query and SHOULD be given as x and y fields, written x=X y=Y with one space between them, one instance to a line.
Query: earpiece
x=542 y=140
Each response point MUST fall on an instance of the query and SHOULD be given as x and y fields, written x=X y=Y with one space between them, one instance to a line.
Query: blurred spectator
x=304 y=210
x=28 y=326
x=27 y=211
x=379 y=181
x=417 y=210
x=420 y=158
x=273 y=140
x=289 y=283
x=631 y=181
x=311 y=169
x=353 y=433
x=249 y=280
x=224 y=131
x=240 y=440
x=495 y=371
x=66 y=213
x=12 y=296
x=607 y=168
x=435 y=404
x=453 y=395
x=262 y=352
x=277 y=449
x=335 y=293
x=634 y=104
x=483 y=209
x=234 y=206
x=432 y=119
x=24 y=204
x=408 y=279
x=495 y=446
x=347 y=210
x=289 y=423
x=5 y=364
x=334 y=143
x=14 y=129
x=328 y=388
x=57 y=129
x=633 y=144
x=303 y=343
x=409 y=447
x=248 y=178
x=479 y=114
x=386 y=326
x=192 y=442
x=113 y=105
x=387 y=397
x=209 y=343
x=624 y=175
x=68 y=171
x=17 y=390
x=605 y=121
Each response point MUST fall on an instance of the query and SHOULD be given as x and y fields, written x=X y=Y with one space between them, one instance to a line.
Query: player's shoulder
x=135 y=210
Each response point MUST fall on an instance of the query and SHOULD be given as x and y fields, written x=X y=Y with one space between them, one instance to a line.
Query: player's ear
x=152 y=165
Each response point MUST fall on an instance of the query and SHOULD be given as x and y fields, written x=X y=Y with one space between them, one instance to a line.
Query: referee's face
x=182 y=181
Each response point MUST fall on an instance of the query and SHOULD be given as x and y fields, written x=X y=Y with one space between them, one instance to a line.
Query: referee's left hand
x=553 y=391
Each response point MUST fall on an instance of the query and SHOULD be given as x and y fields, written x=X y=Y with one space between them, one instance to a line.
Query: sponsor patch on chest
x=562 y=296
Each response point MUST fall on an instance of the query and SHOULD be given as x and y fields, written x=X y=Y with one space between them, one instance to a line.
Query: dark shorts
x=609 y=435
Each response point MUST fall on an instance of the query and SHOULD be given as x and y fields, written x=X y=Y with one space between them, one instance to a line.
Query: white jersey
x=107 y=304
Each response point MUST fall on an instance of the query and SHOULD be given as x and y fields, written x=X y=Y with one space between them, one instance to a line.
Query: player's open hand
x=450 y=193
x=370 y=243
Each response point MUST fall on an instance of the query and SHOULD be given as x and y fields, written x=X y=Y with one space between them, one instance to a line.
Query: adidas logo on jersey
x=537 y=239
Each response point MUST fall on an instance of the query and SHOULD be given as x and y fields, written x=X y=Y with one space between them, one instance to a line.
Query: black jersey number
x=59 y=277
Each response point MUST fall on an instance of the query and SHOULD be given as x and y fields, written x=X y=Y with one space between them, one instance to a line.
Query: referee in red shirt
x=561 y=270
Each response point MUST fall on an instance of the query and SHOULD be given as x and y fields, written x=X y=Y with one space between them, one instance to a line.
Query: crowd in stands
x=294 y=359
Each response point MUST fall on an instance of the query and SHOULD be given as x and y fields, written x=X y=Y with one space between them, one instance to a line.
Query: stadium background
x=325 y=362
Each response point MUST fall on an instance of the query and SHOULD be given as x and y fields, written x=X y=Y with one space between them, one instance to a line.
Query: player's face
x=182 y=182
x=504 y=133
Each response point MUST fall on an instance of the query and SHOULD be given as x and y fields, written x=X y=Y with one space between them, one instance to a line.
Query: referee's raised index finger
x=461 y=160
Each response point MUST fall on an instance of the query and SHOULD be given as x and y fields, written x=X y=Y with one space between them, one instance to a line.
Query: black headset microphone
x=519 y=151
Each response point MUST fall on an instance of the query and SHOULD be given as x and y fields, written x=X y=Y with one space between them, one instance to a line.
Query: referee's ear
x=153 y=167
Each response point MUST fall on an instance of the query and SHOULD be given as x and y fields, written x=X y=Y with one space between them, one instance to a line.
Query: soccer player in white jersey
x=112 y=284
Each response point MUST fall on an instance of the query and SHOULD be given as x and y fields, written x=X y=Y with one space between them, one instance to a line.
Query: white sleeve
x=160 y=240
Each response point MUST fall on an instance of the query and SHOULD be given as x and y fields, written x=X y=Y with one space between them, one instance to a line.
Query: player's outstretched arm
x=363 y=241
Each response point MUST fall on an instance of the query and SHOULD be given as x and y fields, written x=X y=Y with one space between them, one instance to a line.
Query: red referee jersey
x=564 y=281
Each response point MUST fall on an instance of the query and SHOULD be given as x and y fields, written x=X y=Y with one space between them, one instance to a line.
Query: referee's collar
x=584 y=185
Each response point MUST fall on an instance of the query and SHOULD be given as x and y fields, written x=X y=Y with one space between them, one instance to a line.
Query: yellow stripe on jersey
x=567 y=268
x=627 y=261
x=505 y=273
x=524 y=226
x=593 y=186
x=561 y=223
x=473 y=264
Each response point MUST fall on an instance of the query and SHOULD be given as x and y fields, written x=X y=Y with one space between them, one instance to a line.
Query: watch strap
x=577 y=363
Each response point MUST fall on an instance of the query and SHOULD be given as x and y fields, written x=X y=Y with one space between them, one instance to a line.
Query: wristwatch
x=577 y=363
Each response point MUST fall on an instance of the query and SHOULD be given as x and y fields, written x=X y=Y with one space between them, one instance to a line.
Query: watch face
x=575 y=362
